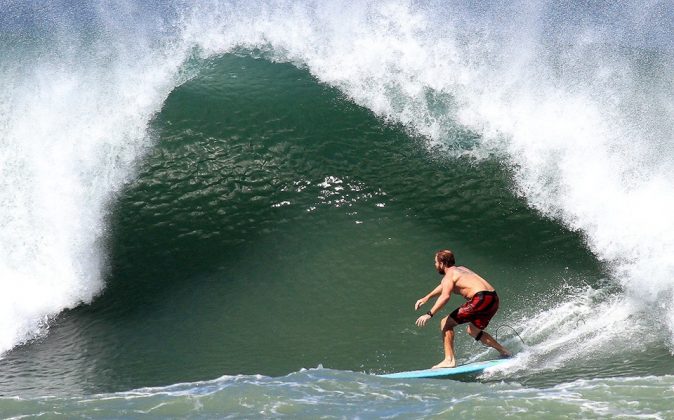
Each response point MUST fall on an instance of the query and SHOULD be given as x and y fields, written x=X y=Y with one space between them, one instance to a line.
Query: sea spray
x=75 y=111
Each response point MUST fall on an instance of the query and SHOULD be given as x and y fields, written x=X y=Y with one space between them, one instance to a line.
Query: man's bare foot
x=506 y=355
x=445 y=364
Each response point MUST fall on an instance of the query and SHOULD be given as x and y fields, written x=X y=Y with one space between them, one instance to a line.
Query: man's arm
x=424 y=299
x=445 y=294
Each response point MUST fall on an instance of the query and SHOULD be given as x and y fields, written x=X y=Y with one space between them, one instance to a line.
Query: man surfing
x=482 y=304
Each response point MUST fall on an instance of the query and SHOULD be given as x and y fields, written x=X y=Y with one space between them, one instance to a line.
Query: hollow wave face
x=577 y=102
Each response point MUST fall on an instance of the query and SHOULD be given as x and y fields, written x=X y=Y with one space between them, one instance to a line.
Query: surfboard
x=468 y=368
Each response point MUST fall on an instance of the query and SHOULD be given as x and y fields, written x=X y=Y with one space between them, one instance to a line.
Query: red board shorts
x=479 y=310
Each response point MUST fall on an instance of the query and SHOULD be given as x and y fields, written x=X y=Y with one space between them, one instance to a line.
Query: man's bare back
x=465 y=282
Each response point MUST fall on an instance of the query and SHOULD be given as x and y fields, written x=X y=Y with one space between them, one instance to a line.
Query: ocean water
x=228 y=209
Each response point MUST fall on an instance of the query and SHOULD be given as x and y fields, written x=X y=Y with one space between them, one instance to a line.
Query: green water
x=276 y=226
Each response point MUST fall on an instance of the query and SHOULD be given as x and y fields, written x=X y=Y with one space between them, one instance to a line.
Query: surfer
x=482 y=304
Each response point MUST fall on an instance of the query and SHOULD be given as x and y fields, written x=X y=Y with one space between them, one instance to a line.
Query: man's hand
x=422 y=320
x=420 y=302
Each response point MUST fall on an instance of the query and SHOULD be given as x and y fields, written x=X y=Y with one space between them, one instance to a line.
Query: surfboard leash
x=513 y=329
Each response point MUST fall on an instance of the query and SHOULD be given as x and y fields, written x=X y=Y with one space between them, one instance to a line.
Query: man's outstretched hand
x=419 y=303
x=422 y=320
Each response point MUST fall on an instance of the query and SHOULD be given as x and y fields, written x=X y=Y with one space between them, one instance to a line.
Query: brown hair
x=445 y=257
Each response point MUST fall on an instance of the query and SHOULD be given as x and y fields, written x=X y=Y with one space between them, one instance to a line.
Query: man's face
x=439 y=267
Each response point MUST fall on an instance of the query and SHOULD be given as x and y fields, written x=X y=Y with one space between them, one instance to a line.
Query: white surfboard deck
x=475 y=367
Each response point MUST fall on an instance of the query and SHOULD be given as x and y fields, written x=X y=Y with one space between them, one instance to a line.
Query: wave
x=583 y=119
x=578 y=106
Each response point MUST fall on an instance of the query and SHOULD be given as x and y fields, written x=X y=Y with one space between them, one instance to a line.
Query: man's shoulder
x=451 y=275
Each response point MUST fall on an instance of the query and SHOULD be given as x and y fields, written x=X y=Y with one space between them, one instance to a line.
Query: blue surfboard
x=474 y=368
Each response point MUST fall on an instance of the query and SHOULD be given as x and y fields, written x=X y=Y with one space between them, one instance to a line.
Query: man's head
x=443 y=260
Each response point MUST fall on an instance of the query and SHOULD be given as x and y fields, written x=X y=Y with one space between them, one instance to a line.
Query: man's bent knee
x=447 y=323
x=474 y=332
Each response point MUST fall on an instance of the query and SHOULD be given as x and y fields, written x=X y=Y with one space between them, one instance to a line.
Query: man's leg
x=487 y=339
x=447 y=328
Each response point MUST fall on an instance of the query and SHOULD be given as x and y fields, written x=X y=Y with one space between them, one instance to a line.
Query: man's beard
x=441 y=270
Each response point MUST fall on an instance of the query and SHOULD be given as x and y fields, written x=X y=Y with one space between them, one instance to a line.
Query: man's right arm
x=425 y=299
x=443 y=298
x=445 y=294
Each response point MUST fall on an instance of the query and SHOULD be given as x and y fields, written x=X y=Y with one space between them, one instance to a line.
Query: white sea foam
x=73 y=122
x=585 y=124
x=320 y=393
